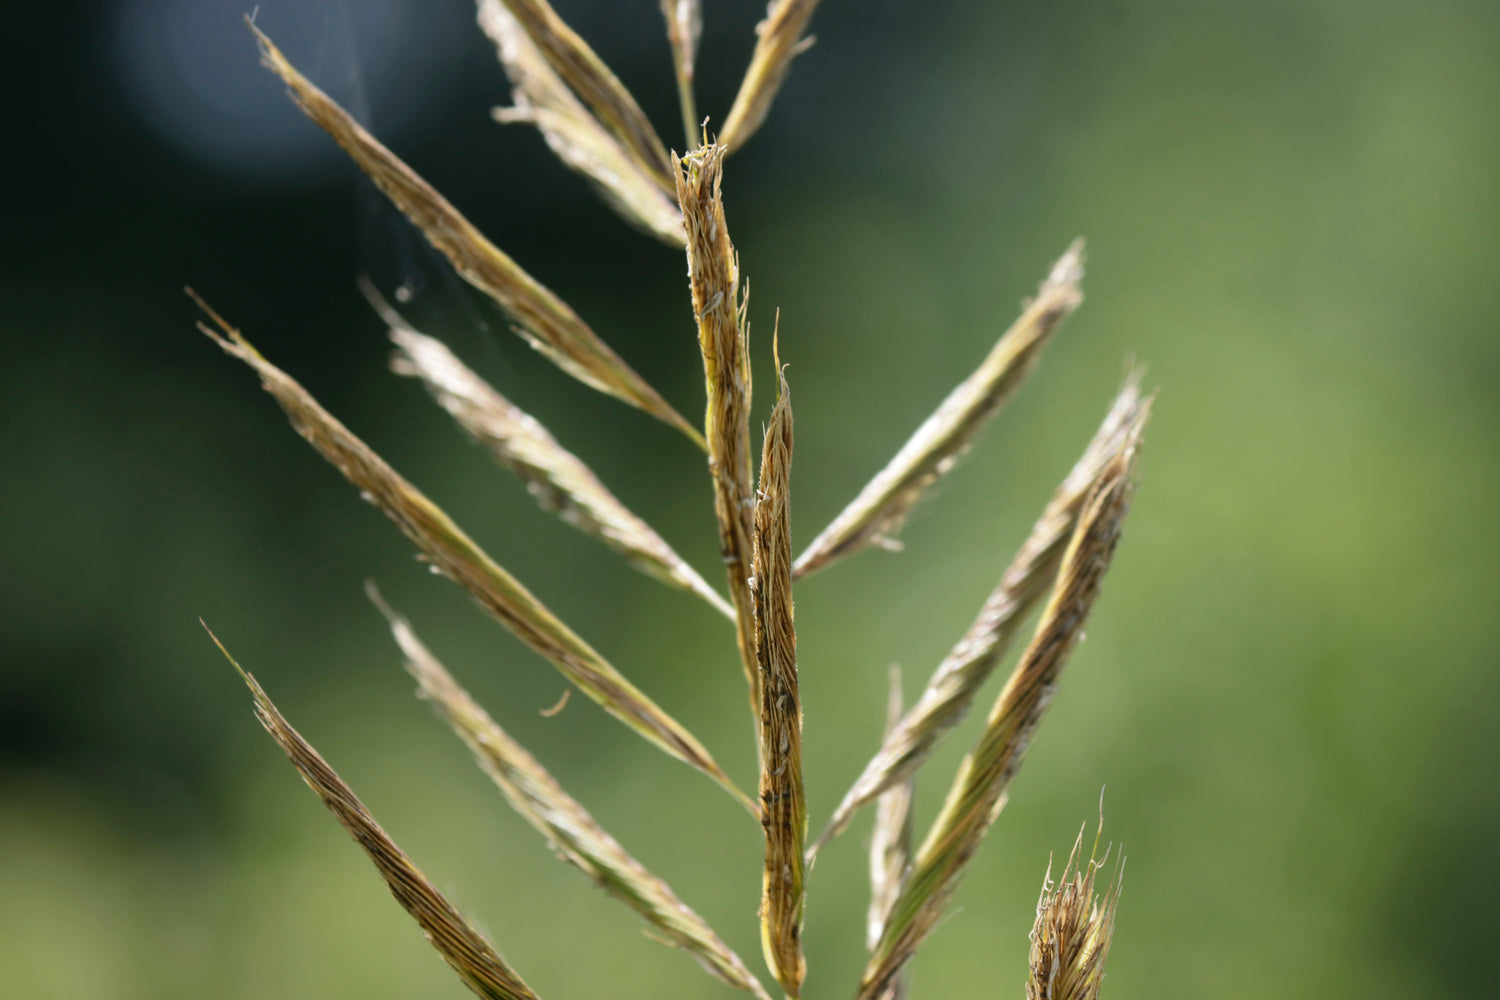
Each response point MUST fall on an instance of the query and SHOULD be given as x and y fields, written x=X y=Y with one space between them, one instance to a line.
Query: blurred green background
x=1289 y=684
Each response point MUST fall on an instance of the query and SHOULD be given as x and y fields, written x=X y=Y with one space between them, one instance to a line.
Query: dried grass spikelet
x=684 y=27
x=951 y=690
x=572 y=132
x=1073 y=930
x=890 y=847
x=568 y=827
x=575 y=62
x=558 y=480
x=545 y=321
x=461 y=945
x=780 y=38
x=456 y=556
x=719 y=309
x=783 y=803
x=977 y=794
x=876 y=515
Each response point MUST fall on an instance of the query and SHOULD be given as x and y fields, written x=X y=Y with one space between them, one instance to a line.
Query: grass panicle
x=568 y=827
x=684 y=28
x=575 y=62
x=592 y=123
x=780 y=38
x=724 y=338
x=461 y=945
x=876 y=515
x=783 y=803
x=558 y=479
x=540 y=97
x=951 y=690
x=456 y=556
x=1073 y=930
x=890 y=847
x=977 y=794
x=545 y=321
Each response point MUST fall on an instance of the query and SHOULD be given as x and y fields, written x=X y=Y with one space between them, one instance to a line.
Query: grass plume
x=976 y=796
x=462 y=946
x=890 y=847
x=780 y=38
x=684 y=27
x=783 y=803
x=574 y=834
x=951 y=690
x=454 y=554
x=555 y=477
x=545 y=321
x=876 y=515
x=1074 y=927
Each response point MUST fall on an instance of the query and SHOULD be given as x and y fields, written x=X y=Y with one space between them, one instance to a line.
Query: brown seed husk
x=462 y=946
x=876 y=515
x=951 y=690
x=780 y=39
x=455 y=555
x=1071 y=937
x=545 y=321
x=718 y=307
x=783 y=803
x=977 y=794
x=573 y=833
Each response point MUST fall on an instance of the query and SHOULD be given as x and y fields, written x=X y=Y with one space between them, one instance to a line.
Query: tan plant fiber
x=1073 y=930
x=558 y=479
x=461 y=945
x=724 y=338
x=455 y=555
x=890 y=847
x=876 y=515
x=780 y=38
x=545 y=321
x=571 y=131
x=951 y=690
x=976 y=796
x=572 y=59
x=573 y=834
x=783 y=803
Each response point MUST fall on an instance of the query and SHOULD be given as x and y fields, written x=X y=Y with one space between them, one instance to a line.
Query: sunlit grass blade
x=783 y=803
x=558 y=480
x=684 y=27
x=951 y=690
x=572 y=59
x=568 y=827
x=461 y=945
x=573 y=133
x=1071 y=937
x=780 y=38
x=876 y=515
x=890 y=848
x=724 y=337
x=455 y=555
x=978 y=790
x=544 y=320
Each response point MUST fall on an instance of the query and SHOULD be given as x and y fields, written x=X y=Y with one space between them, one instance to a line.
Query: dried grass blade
x=574 y=834
x=573 y=133
x=783 y=804
x=978 y=790
x=780 y=39
x=684 y=27
x=951 y=690
x=559 y=481
x=875 y=516
x=543 y=319
x=718 y=307
x=460 y=944
x=454 y=554
x=890 y=847
x=1071 y=937
x=571 y=58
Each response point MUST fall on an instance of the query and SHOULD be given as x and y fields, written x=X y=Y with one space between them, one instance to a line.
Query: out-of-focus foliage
x=1290 y=678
